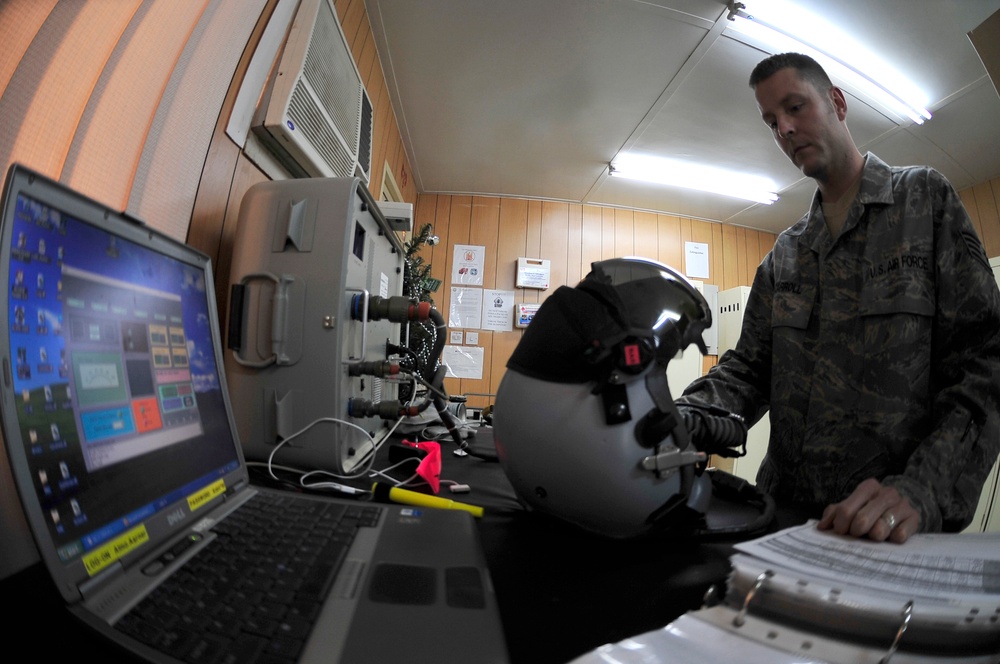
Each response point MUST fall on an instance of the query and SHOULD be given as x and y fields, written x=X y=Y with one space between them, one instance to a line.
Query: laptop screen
x=112 y=386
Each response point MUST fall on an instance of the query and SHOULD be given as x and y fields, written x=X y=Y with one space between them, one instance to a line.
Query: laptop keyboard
x=253 y=594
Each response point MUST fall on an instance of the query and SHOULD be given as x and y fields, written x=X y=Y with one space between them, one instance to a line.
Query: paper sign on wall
x=696 y=260
x=498 y=314
x=465 y=308
x=463 y=361
x=467 y=265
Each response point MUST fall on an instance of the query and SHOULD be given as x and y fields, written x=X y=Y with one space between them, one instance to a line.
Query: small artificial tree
x=417 y=281
x=418 y=284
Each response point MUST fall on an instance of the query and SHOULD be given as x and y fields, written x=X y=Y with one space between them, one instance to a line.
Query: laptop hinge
x=236 y=488
x=89 y=587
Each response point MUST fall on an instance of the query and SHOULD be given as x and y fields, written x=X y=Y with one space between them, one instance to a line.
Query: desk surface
x=561 y=592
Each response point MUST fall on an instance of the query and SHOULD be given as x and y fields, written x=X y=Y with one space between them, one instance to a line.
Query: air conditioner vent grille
x=365 y=146
x=329 y=69
x=309 y=119
x=315 y=110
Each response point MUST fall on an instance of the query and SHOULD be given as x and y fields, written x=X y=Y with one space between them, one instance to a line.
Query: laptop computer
x=122 y=444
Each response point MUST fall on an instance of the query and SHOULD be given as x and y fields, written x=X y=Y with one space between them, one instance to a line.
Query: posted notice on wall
x=465 y=308
x=467 y=265
x=696 y=260
x=463 y=361
x=498 y=310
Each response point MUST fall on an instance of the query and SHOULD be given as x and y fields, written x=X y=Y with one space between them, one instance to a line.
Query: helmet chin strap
x=662 y=430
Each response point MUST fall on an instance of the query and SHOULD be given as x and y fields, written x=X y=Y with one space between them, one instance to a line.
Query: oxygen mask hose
x=714 y=430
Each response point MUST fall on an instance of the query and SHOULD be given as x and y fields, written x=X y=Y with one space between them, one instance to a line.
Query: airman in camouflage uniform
x=877 y=351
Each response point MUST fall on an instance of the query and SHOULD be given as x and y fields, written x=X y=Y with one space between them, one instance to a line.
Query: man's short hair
x=809 y=70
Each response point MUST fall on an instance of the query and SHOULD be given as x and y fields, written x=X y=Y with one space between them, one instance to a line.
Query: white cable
x=366 y=469
x=335 y=420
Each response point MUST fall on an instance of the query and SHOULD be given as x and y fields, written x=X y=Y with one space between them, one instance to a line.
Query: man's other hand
x=872 y=510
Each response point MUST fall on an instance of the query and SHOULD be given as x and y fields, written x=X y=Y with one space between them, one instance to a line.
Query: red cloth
x=430 y=466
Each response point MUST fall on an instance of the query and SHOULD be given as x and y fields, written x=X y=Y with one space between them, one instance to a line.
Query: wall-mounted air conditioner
x=315 y=114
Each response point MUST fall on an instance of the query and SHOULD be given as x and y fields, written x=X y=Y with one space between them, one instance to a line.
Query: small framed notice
x=525 y=311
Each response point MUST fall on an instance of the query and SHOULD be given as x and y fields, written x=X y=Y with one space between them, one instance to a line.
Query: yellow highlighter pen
x=405 y=497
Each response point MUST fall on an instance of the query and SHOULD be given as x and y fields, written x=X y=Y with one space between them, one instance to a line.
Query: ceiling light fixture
x=879 y=82
x=694 y=176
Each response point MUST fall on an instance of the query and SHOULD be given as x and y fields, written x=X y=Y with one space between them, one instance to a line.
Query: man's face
x=803 y=120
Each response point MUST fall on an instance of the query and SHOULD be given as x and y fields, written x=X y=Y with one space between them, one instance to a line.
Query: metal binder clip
x=907 y=614
x=761 y=578
x=713 y=596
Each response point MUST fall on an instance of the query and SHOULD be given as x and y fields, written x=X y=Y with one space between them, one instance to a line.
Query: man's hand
x=872 y=510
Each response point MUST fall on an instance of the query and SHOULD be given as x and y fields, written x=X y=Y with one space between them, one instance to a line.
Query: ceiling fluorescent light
x=868 y=76
x=694 y=176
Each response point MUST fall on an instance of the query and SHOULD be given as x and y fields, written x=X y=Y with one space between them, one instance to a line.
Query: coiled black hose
x=714 y=430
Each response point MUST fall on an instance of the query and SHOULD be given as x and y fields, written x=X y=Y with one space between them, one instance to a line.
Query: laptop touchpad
x=403 y=584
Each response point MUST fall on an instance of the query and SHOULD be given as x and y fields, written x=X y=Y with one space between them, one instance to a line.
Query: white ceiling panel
x=533 y=98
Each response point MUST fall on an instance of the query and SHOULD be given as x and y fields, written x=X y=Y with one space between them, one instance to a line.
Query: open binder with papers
x=803 y=595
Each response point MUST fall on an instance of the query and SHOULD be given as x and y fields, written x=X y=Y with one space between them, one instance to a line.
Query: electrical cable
x=429 y=386
x=364 y=469
x=384 y=472
x=301 y=474
x=309 y=426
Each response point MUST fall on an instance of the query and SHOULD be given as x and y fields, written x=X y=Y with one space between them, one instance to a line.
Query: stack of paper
x=803 y=595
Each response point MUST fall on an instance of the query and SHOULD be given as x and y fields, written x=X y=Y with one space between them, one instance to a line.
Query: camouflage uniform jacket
x=878 y=353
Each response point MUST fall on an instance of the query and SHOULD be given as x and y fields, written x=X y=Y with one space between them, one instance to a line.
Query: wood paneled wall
x=572 y=236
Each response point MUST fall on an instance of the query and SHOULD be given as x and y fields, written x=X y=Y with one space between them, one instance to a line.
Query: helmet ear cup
x=564 y=460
